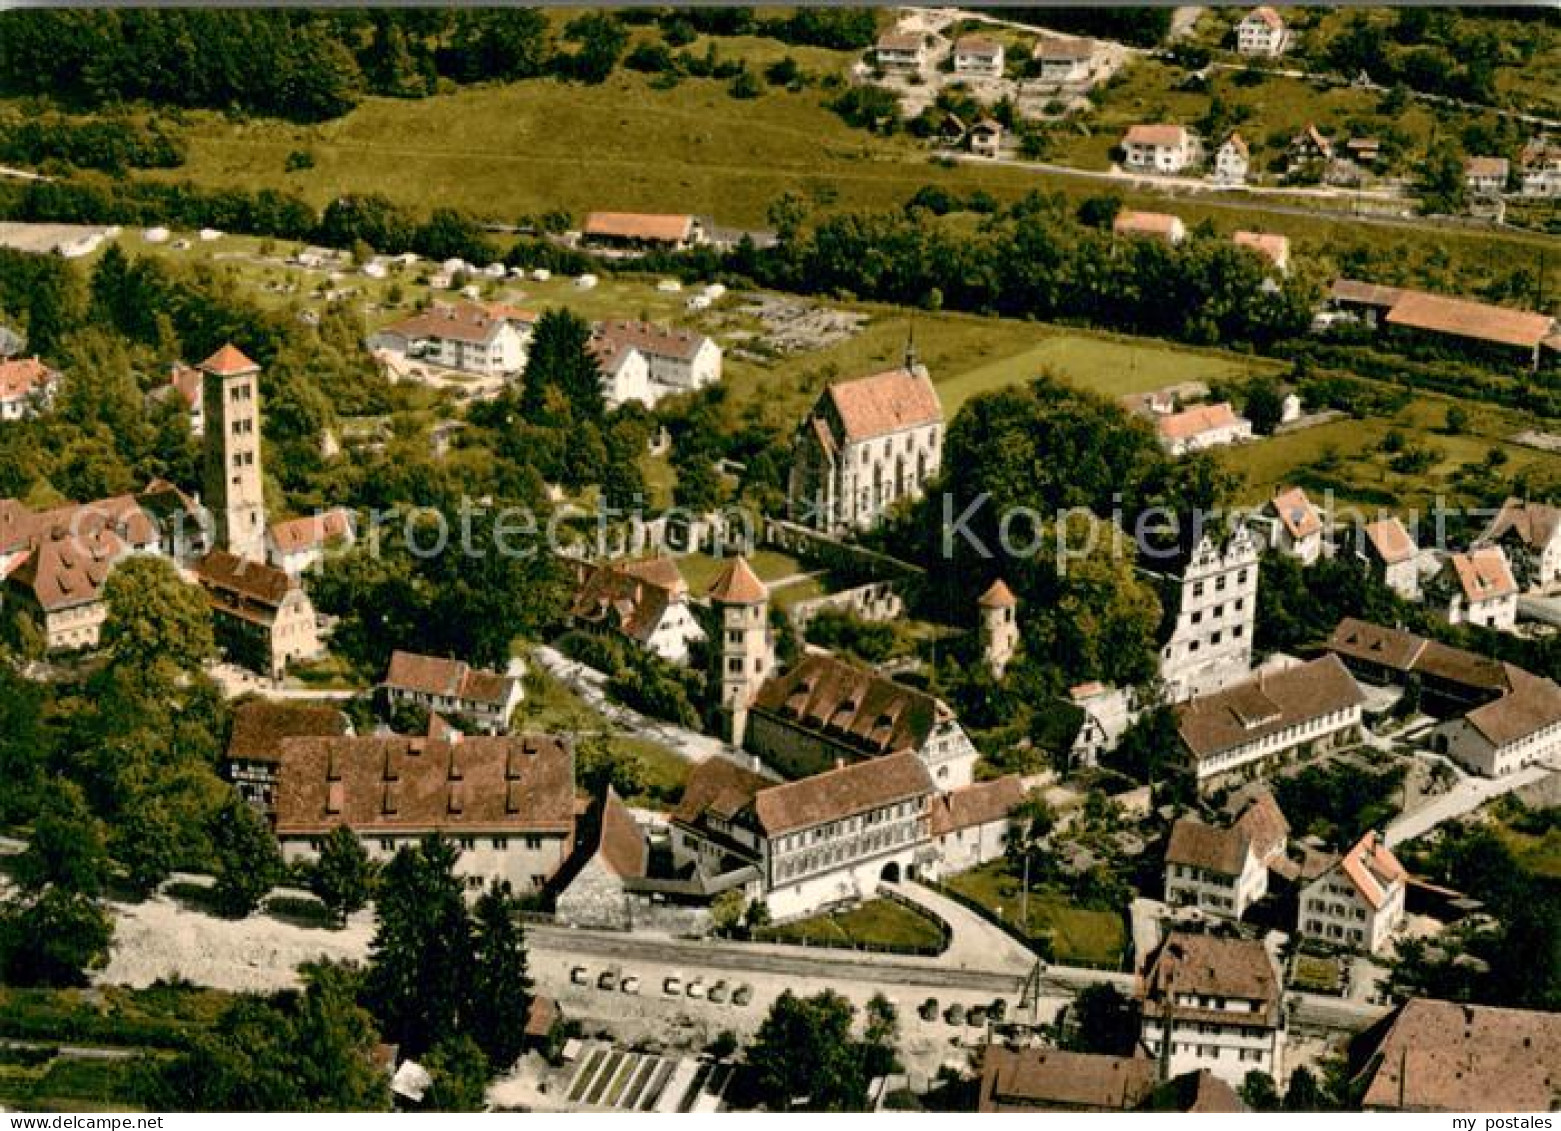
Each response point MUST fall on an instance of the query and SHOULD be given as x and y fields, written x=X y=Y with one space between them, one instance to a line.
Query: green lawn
x=1078 y=934
x=1317 y=975
x=877 y=922
x=700 y=569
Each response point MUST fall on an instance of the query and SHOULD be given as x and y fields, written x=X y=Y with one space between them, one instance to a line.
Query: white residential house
x=1213 y=1004
x=985 y=138
x=1152 y=225
x=1359 y=902
x=1262 y=32
x=1063 y=59
x=646 y=601
x=625 y=372
x=1158 y=149
x=971 y=826
x=804 y=845
x=1477 y=588
x=1224 y=871
x=1298 y=526
x=508 y=803
x=897 y=51
x=297 y=545
x=1392 y=555
x=1215 y=596
x=27 y=387
x=453 y=688
x=1530 y=535
x=1201 y=427
x=867 y=444
x=1486 y=176
x=977 y=56
x=1104 y=714
x=1242 y=731
x=1520 y=728
x=677 y=361
x=1232 y=161
x=485 y=338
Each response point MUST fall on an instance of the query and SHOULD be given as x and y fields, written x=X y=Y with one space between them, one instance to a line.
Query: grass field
x=700 y=570
x=876 y=923
x=1078 y=934
x=1317 y=975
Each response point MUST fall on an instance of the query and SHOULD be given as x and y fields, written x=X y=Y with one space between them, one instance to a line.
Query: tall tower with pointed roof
x=999 y=626
x=747 y=652
x=234 y=489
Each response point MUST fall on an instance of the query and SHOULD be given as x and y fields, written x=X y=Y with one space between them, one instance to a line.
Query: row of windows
x=1219 y=583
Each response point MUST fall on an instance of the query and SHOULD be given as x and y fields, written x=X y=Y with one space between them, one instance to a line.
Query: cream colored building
x=1359 y=902
x=1209 y=646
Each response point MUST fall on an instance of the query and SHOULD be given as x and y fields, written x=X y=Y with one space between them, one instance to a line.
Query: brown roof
x=1161 y=135
x=518 y=783
x=1483 y=574
x=620 y=843
x=737 y=584
x=23 y=377
x=1266 y=705
x=1310 y=136
x=718 y=786
x=542 y=1015
x=1443 y=1056
x=1196 y=421
x=639 y=226
x=461 y=322
x=1064 y=48
x=311 y=531
x=1221 y=851
x=1238 y=143
x=1479 y=321
x=1263 y=823
x=436 y=675
x=66 y=572
x=1202 y=1092
x=1376 y=644
x=1365 y=294
x=630 y=597
x=1267 y=15
x=885 y=402
x=1372 y=869
x=976 y=45
x=897 y=41
x=1390 y=540
x=1530 y=706
x=998 y=596
x=1017 y=1080
x=980 y=804
x=227 y=576
x=189 y=384
x=260 y=725
x=1275 y=248
x=1207 y=966
x=652 y=340
x=846 y=792
x=228 y=361
x=1535 y=525
x=1295 y=510
x=1145 y=223
x=1486 y=166
x=851 y=705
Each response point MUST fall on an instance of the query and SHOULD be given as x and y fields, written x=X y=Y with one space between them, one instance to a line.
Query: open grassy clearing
x=700 y=569
x=1078 y=934
x=875 y=923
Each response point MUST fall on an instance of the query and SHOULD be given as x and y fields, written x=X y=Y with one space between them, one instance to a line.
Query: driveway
x=976 y=944
x=1465 y=797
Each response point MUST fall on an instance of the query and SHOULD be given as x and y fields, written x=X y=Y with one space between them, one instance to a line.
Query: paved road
x=1469 y=794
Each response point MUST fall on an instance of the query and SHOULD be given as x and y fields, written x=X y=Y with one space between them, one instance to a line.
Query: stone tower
x=234 y=490
x=742 y=603
x=999 y=627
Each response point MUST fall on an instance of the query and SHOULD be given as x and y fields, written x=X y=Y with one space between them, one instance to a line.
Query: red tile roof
x=523 y=783
x=884 y=403
x=312 y=531
x=737 y=584
x=1196 y=421
x=895 y=41
x=1390 y=540
x=1266 y=705
x=718 y=786
x=1197 y=845
x=1208 y=966
x=620 y=844
x=1274 y=248
x=435 y=675
x=1530 y=706
x=1161 y=224
x=628 y=597
x=1478 y=321
x=1064 y=49
x=459 y=322
x=24 y=377
x=228 y=361
x=998 y=596
x=1483 y=574
x=845 y=792
x=1267 y=15
x=1156 y=135
x=1295 y=510
x=1535 y=525
x=1372 y=869
x=1048 y=1079
x=639 y=226
x=652 y=340
x=261 y=725
x=976 y=45
x=232 y=580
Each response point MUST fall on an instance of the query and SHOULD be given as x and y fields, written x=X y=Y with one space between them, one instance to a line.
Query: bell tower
x=999 y=627
x=742 y=603
x=233 y=482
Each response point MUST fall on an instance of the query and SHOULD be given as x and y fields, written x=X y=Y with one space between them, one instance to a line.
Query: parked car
x=580 y=976
x=608 y=980
x=954 y=1014
x=976 y=1017
x=630 y=984
x=742 y=995
x=672 y=986
x=696 y=989
x=717 y=992
x=929 y=1009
